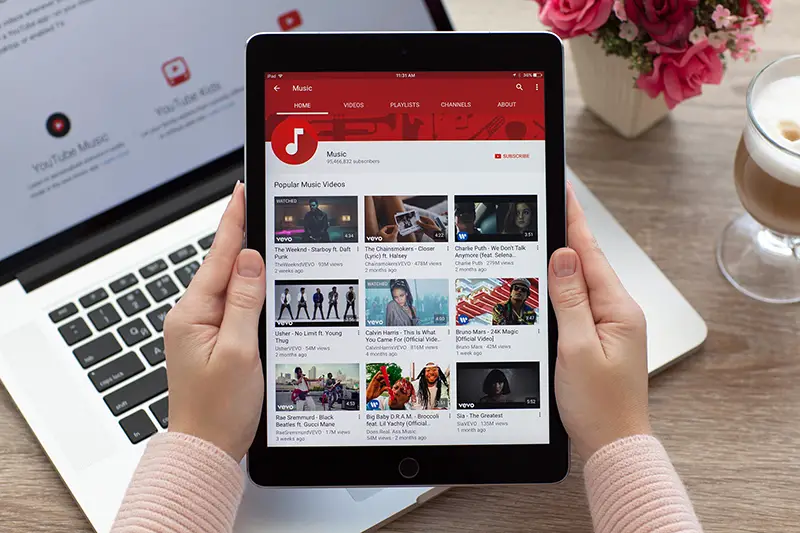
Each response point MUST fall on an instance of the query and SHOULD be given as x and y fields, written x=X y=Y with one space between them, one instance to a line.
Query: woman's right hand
x=601 y=370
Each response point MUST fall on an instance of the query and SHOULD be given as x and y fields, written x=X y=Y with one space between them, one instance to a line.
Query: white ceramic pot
x=608 y=89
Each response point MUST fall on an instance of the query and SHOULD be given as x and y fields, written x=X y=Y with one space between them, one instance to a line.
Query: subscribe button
x=512 y=156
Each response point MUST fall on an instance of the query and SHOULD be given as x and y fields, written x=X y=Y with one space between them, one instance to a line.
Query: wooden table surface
x=729 y=415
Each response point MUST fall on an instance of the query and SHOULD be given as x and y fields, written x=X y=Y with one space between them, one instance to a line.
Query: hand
x=388 y=233
x=601 y=370
x=429 y=226
x=216 y=385
x=376 y=386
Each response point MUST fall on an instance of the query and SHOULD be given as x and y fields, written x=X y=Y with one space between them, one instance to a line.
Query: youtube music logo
x=294 y=141
x=290 y=20
x=58 y=125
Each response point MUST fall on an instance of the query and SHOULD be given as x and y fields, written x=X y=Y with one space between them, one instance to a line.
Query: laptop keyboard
x=119 y=342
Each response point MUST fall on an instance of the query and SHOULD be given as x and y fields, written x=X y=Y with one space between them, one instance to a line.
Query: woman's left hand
x=216 y=384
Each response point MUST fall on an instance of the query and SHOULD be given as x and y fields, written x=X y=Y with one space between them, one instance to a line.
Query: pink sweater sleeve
x=182 y=484
x=633 y=487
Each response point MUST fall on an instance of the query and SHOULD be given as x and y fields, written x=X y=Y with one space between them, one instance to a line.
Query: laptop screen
x=103 y=101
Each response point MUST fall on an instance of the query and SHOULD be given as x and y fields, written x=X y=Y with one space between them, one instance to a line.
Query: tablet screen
x=407 y=262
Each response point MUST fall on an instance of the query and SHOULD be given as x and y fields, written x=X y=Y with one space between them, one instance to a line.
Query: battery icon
x=537 y=74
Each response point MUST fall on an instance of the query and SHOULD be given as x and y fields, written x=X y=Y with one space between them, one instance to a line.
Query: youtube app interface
x=407 y=263
x=104 y=100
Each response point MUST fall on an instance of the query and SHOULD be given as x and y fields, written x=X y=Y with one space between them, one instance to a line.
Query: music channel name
x=340 y=158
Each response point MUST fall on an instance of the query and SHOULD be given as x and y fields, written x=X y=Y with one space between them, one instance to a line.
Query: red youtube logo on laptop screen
x=294 y=141
x=290 y=20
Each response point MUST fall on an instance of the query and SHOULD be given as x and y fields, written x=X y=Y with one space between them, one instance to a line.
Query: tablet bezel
x=409 y=52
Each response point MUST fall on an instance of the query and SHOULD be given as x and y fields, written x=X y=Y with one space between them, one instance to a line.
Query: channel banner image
x=497 y=301
x=406 y=302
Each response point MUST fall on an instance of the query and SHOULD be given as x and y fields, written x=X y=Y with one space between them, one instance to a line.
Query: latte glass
x=759 y=252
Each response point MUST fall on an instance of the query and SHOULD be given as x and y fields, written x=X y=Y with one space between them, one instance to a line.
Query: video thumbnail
x=317 y=387
x=405 y=218
x=497 y=301
x=316 y=219
x=498 y=385
x=421 y=386
x=316 y=303
x=406 y=302
x=496 y=218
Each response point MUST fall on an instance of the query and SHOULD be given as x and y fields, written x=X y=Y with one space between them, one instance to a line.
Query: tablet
x=406 y=192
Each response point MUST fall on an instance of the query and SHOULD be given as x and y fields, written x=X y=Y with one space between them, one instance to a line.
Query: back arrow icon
x=276 y=88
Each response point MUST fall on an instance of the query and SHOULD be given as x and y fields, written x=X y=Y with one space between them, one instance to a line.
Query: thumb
x=244 y=300
x=570 y=298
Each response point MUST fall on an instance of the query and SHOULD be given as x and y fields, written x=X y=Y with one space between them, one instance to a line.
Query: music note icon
x=294 y=141
x=293 y=146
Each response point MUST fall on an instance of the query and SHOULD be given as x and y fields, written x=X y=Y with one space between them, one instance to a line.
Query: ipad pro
x=406 y=192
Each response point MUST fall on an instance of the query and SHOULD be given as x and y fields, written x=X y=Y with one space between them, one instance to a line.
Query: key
x=154 y=351
x=206 y=242
x=128 y=280
x=104 y=316
x=162 y=288
x=74 y=331
x=65 y=311
x=186 y=273
x=136 y=393
x=153 y=268
x=184 y=253
x=133 y=302
x=97 y=350
x=158 y=316
x=93 y=297
x=119 y=370
x=138 y=427
x=160 y=410
x=134 y=332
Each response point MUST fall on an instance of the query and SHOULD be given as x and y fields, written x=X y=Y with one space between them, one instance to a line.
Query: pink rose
x=681 y=76
x=746 y=7
x=619 y=10
x=570 y=18
x=667 y=21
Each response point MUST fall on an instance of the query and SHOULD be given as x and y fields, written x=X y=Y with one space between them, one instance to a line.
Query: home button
x=409 y=468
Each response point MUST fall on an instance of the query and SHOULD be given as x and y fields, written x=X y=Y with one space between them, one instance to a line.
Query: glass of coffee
x=759 y=252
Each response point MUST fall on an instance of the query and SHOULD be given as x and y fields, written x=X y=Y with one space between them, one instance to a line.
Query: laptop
x=124 y=144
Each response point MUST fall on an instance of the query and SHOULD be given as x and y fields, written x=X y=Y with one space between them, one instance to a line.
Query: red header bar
x=410 y=106
x=402 y=75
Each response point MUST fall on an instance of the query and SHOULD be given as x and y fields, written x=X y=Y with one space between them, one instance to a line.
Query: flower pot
x=607 y=87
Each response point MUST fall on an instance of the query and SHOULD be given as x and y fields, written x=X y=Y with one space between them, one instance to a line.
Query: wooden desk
x=729 y=415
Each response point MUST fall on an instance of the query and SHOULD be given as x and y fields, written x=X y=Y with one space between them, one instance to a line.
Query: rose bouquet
x=673 y=46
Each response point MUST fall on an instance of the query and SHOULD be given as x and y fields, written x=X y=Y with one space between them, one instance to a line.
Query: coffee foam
x=777 y=111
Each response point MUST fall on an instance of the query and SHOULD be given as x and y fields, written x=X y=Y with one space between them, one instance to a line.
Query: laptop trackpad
x=360 y=495
x=62 y=415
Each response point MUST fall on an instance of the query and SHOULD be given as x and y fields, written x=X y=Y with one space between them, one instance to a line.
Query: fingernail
x=565 y=264
x=249 y=264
